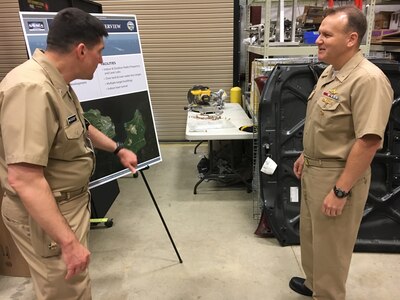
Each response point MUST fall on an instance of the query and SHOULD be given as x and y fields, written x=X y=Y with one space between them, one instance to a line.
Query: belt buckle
x=306 y=161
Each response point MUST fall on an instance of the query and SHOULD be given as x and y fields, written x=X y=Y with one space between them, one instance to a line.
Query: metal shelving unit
x=385 y=48
x=282 y=48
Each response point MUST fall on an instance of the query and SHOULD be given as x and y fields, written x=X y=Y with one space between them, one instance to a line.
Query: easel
x=109 y=222
x=102 y=197
x=159 y=212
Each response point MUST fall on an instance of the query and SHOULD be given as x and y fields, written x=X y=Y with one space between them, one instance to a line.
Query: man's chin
x=321 y=58
x=87 y=77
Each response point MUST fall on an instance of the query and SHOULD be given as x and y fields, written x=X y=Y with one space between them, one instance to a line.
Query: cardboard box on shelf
x=392 y=39
x=382 y=19
x=256 y=67
x=385 y=35
x=379 y=35
x=312 y=15
x=11 y=261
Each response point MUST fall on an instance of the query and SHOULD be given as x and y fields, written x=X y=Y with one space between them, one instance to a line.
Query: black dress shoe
x=297 y=285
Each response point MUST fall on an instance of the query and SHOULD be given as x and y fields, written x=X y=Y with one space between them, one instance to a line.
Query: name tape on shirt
x=71 y=119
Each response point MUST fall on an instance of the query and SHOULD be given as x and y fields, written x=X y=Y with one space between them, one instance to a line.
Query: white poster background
x=117 y=75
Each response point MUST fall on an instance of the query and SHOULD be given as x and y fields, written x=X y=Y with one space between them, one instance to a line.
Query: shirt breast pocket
x=328 y=104
x=74 y=131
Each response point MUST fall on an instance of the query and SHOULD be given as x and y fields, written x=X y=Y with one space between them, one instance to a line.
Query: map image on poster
x=117 y=100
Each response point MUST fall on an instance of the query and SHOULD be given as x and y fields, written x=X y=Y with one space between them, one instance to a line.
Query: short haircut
x=72 y=26
x=356 y=21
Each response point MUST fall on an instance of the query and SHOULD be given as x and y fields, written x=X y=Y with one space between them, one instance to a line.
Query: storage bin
x=310 y=37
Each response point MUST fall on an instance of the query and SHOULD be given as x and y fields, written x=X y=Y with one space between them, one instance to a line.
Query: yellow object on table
x=236 y=95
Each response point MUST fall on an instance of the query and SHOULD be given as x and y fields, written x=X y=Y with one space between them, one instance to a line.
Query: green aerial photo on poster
x=135 y=132
x=102 y=123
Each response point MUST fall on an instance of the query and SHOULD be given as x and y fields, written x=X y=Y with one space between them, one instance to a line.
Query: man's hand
x=76 y=257
x=333 y=206
x=128 y=159
x=298 y=166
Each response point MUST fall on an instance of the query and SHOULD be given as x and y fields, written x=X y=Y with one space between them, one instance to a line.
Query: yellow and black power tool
x=202 y=100
x=199 y=94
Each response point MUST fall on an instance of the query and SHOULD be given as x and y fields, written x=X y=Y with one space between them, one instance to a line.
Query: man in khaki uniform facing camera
x=46 y=156
x=346 y=117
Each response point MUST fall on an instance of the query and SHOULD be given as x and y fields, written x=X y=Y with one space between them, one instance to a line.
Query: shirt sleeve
x=28 y=124
x=371 y=101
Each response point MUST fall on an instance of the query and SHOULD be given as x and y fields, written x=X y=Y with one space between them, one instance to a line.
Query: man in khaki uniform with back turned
x=46 y=157
x=347 y=113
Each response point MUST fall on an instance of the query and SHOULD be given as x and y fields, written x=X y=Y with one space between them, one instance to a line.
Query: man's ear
x=80 y=50
x=353 y=39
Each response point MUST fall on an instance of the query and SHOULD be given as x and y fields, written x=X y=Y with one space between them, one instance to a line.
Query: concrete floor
x=213 y=231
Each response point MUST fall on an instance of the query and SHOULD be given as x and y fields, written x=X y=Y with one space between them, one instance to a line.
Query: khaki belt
x=61 y=196
x=324 y=163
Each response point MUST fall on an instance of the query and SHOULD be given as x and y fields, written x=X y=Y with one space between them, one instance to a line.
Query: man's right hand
x=298 y=166
x=76 y=258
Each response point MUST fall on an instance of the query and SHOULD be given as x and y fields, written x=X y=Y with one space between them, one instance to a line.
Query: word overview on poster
x=117 y=100
x=122 y=70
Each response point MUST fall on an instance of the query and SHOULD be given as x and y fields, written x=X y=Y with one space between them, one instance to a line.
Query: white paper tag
x=294 y=194
x=269 y=166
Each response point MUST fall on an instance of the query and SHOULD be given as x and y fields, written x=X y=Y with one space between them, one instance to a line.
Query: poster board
x=117 y=99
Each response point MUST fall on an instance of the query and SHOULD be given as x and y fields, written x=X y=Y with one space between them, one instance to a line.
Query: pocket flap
x=74 y=130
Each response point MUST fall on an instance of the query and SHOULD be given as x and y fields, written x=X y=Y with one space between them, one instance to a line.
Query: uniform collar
x=52 y=73
x=345 y=70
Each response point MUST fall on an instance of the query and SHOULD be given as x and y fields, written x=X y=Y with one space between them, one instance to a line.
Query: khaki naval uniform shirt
x=344 y=107
x=42 y=124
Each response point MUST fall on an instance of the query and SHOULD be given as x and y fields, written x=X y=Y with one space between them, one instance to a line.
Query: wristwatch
x=119 y=147
x=340 y=193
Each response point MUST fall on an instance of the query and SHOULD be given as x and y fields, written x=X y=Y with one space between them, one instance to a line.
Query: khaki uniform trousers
x=327 y=243
x=48 y=273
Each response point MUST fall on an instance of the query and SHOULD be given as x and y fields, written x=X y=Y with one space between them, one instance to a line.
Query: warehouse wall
x=185 y=42
x=12 y=45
